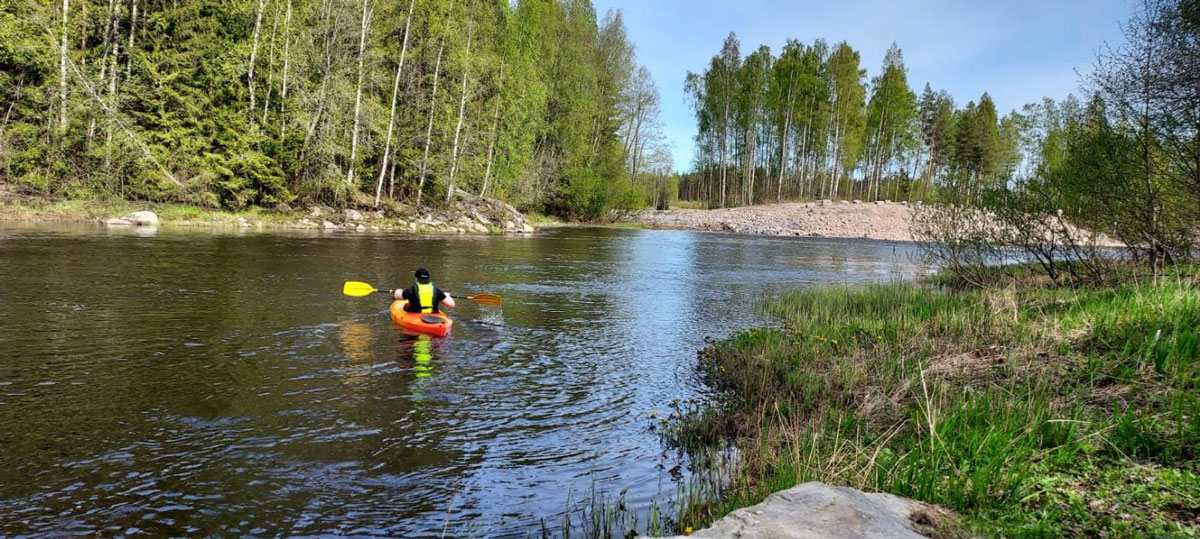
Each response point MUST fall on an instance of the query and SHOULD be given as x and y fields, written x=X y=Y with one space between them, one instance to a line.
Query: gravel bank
x=825 y=219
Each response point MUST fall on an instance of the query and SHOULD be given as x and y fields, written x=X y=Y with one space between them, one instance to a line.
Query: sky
x=1019 y=51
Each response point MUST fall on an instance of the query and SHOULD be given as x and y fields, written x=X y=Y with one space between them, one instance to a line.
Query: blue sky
x=1019 y=51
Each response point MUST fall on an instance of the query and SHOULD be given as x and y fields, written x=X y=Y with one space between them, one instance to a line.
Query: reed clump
x=1029 y=410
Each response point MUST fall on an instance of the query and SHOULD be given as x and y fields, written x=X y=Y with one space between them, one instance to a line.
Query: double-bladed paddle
x=360 y=289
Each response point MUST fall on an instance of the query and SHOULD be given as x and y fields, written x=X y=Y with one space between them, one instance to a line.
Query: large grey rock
x=117 y=222
x=142 y=218
x=817 y=510
x=352 y=214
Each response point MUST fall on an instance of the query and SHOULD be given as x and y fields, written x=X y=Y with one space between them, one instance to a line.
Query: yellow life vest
x=425 y=297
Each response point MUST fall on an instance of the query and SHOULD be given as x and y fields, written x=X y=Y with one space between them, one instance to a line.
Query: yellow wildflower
x=687 y=530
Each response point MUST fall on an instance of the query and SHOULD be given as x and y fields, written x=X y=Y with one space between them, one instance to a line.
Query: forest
x=808 y=124
x=280 y=103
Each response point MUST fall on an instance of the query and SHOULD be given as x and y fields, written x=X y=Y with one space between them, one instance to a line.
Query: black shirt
x=414 y=298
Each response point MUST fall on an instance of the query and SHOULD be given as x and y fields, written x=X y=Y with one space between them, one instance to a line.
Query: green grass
x=1029 y=411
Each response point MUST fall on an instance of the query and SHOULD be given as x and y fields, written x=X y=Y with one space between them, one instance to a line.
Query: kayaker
x=423 y=296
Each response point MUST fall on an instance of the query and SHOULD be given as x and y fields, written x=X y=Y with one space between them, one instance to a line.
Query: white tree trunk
x=112 y=109
x=287 y=40
x=133 y=13
x=271 y=65
x=253 y=52
x=437 y=67
x=62 y=71
x=387 y=147
x=462 y=109
x=487 y=173
x=362 y=52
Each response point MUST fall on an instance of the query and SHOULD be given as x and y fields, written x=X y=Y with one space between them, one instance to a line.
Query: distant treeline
x=807 y=124
x=277 y=102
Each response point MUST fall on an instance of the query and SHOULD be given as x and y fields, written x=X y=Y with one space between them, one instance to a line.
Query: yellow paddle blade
x=357 y=289
x=485 y=299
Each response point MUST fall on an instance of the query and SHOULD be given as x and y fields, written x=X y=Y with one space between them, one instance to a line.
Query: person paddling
x=423 y=296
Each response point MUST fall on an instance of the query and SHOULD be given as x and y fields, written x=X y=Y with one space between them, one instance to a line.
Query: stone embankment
x=466 y=214
x=883 y=220
x=816 y=510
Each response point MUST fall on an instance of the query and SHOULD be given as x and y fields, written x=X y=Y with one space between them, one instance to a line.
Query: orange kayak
x=436 y=324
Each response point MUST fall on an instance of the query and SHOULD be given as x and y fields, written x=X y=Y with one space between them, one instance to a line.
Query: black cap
x=422 y=274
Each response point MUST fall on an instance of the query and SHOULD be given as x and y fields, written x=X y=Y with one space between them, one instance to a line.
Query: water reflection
x=222 y=382
x=418 y=350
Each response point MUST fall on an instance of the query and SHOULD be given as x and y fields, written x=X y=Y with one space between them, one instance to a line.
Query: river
x=197 y=382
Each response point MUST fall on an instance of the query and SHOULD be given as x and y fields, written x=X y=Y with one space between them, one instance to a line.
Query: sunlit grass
x=1015 y=407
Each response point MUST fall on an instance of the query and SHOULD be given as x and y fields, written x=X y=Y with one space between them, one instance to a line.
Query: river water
x=186 y=382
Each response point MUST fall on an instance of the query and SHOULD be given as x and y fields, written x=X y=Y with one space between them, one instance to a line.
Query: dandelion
x=687 y=530
x=653 y=413
x=834 y=341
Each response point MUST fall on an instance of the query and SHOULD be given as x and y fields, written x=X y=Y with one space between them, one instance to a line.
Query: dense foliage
x=274 y=102
x=1122 y=169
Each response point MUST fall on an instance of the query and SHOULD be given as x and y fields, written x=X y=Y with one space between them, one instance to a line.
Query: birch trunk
x=253 y=52
x=271 y=65
x=429 y=128
x=83 y=35
x=62 y=71
x=487 y=173
x=112 y=109
x=287 y=41
x=387 y=147
x=462 y=109
x=362 y=52
x=133 y=13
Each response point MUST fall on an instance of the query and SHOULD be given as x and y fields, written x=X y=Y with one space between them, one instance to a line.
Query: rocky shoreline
x=466 y=214
x=884 y=220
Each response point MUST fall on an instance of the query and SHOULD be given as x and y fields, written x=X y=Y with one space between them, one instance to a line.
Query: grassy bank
x=1030 y=411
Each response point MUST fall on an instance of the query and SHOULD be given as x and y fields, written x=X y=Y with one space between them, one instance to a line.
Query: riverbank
x=467 y=214
x=1027 y=410
x=889 y=221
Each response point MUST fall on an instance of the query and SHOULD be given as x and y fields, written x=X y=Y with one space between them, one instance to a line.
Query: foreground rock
x=826 y=219
x=142 y=218
x=815 y=510
x=137 y=218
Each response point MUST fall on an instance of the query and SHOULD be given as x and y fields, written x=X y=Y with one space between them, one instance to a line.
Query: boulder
x=327 y=225
x=527 y=228
x=314 y=212
x=815 y=510
x=117 y=222
x=352 y=214
x=479 y=228
x=142 y=218
x=360 y=228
